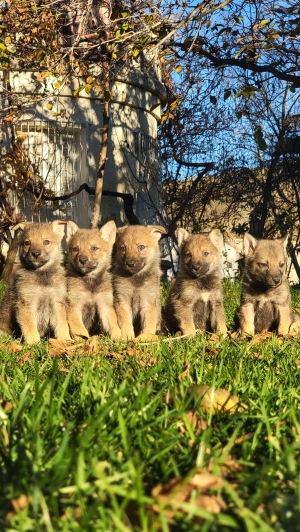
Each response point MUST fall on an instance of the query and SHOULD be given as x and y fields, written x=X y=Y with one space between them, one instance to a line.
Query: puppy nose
x=83 y=259
x=35 y=253
x=196 y=267
x=130 y=263
x=276 y=280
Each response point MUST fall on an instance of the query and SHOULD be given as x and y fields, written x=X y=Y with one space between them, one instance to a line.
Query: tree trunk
x=96 y=214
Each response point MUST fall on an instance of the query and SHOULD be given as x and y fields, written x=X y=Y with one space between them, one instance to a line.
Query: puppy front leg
x=285 y=319
x=246 y=318
x=220 y=318
x=108 y=316
x=74 y=318
x=125 y=319
x=185 y=317
x=61 y=327
x=27 y=318
x=149 y=317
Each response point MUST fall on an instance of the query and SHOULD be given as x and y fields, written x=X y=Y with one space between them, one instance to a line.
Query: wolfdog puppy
x=195 y=300
x=90 y=306
x=136 y=278
x=265 y=299
x=35 y=303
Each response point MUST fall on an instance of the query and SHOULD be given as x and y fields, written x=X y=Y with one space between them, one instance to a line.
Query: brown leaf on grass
x=214 y=338
x=91 y=346
x=24 y=358
x=233 y=334
x=294 y=328
x=179 y=490
x=64 y=370
x=147 y=338
x=258 y=338
x=230 y=465
x=58 y=344
x=213 y=400
x=116 y=355
x=211 y=503
x=5 y=405
x=245 y=437
x=18 y=504
x=297 y=362
x=59 y=348
x=15 y=347
x=205 y=480
x=257 y=355
x=209 y=351
x=197 y=423
x=185 y=371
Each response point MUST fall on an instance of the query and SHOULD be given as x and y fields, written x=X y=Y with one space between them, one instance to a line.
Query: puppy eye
x=141 y=247
x=46 y=242
x=94 y=248
x=123 y=248
x=26 y=243
x=263 y=264
x=75 y=248
x=188 y=254
x=205 y=253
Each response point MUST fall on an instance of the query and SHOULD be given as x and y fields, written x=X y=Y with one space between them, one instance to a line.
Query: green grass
x=87 y=438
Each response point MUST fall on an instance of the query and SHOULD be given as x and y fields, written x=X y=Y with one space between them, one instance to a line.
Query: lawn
x=114 y=437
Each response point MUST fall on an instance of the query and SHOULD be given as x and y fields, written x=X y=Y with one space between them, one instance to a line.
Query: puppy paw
x=80 y=333
x=127 y=333
x=115 y=333
x=32 y=338
x=294 y=328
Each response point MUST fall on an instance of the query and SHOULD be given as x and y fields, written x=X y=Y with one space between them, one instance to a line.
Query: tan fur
x=34 y=304
x=265 y=299
x=90 y=307
x=136 y=278
x=195 y=300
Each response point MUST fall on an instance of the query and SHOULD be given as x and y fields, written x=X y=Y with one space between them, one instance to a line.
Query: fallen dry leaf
x=92 y=344
x=257 y=355
x=18 y=504
x=5 y=405
x=209 y=351
x=244 y=438
x=64 y=370
x=197 y=423
x=15 y=347
x=62 y=348
x=58 y=344
x=294 y=328
x=185 y=371
x=147 y=338
x=116 y=355
x=214 y=338
x=213 y=400
x=24 y=358
x=179 y=490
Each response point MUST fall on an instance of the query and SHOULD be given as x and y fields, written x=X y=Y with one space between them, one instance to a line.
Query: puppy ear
x=283 y=240
x=157 y=231
x=72 y=228
x=216 y=238
x=121 y=229
x=58 y=227
x=182 y=235
x=250 y=244
x=109 y=232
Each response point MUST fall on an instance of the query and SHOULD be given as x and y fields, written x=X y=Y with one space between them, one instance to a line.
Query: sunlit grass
x=85 y=439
